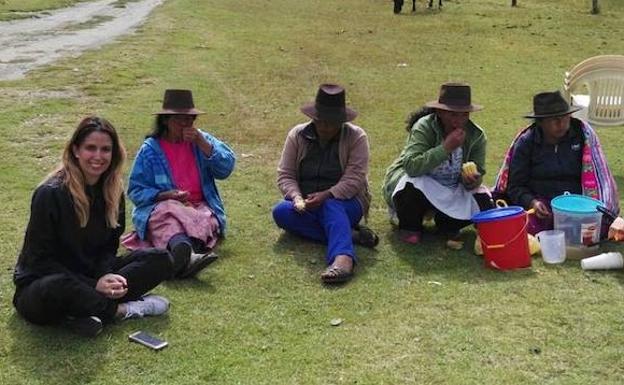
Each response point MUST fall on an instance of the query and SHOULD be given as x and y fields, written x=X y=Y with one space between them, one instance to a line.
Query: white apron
x=442 y=189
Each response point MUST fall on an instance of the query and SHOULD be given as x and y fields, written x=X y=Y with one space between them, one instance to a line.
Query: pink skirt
x=171 y=217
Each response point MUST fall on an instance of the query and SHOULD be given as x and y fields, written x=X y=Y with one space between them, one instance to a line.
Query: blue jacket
x=151 y=175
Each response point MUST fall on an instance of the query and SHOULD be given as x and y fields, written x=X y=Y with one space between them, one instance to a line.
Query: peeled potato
x=534 y=246
x=299 y=203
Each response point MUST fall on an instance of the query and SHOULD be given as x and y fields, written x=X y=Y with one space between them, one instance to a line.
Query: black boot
x=180 y=248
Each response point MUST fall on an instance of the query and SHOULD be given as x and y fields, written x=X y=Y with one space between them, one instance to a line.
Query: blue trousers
x=331 y=224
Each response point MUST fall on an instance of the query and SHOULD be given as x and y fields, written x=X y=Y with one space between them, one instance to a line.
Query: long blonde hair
x=71 y=175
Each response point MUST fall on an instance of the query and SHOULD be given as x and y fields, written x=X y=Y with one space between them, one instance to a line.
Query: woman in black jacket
x=555 y=154
x=67 y=272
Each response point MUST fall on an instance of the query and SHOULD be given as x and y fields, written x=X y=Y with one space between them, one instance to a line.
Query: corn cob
x=469 y=168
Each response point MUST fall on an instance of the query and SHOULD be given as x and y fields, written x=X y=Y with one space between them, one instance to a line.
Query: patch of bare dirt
x=29 y=43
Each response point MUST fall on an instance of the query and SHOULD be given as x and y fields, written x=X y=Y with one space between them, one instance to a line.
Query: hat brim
x=310 y=111
x=571 y=110
x=448 y=107
x=190 y=111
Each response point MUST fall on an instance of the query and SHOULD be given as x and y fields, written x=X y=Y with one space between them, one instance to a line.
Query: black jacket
x=55 y=242
x=541 y=170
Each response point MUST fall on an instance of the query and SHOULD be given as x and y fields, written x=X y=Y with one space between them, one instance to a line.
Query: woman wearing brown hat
x=554 y=154
x=428 y=176
x=323 y=176
x=172 y=185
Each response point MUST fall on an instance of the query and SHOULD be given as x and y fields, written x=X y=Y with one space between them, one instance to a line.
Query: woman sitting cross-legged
x=428 y=175
x=172 y=185
x=67 y=272
x=554 y=154
x=323 y=176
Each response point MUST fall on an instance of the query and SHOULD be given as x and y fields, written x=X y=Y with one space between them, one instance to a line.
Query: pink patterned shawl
x=596 y=179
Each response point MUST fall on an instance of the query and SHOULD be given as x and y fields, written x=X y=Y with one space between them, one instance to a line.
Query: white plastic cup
x=604 y=261
x=552 y=245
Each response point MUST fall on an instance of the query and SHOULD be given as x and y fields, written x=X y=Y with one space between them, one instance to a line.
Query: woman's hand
x=177 y=195
x=191 y=134
x=316 y=199
x=470 y=181
x=299 y=204
x=454 y=139
x=541 y=210
x=112 y=286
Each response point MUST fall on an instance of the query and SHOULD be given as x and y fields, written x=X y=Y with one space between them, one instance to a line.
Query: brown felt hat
x=178 y=102
x=550 y=104
x=454 y=97
x=329 y=105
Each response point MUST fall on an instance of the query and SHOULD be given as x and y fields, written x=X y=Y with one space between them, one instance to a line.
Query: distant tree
x=595 y=8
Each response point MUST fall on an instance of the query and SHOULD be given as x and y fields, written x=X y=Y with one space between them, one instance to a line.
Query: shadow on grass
x=598 y=276
x=310 y=255
x=45 y=353
x=199 y=283
x=50 y=355
x=203 y=280
x=432 y=256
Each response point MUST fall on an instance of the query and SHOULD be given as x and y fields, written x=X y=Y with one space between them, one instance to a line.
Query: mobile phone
x=147 y=340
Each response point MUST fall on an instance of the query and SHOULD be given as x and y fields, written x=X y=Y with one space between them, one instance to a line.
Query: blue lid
x=575 y=203
x=497 y=214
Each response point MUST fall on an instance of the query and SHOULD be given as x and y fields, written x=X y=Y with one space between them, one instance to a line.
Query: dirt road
x=29 y=43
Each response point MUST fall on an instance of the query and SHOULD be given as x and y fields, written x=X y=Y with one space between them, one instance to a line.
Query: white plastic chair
x=593 y=63
x=598 y=86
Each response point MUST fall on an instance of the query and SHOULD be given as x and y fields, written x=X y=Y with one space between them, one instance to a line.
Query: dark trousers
x=411 y=206
x=50 y=299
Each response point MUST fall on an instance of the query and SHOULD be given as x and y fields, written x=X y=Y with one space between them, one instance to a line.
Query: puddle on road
x=26 y=44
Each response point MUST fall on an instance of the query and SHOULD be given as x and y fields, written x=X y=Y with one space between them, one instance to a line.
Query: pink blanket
x=172 y=217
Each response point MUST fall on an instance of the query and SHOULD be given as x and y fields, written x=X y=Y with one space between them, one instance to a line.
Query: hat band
x=330 y=113
x=455 y=102
x=552 y=110
x=455 y=105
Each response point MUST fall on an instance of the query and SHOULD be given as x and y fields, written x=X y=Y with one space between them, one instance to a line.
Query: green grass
x=420 y=315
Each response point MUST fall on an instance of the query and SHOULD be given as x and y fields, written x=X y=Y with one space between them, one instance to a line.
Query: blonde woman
x=67 y=272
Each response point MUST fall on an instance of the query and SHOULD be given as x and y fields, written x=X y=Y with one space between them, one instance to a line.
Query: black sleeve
x=109 y=253
x=520 y=173
x=41 y=245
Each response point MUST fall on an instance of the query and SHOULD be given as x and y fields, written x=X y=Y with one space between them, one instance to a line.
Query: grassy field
x=412 y=315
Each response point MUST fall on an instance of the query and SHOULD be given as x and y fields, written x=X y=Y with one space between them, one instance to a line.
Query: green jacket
x=424 y=151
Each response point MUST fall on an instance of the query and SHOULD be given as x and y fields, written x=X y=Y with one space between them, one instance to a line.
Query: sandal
x=336 y=274
x=365 y=236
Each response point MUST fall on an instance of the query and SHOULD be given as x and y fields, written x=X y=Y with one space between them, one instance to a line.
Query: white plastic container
x=577 y=216
x=552 y=245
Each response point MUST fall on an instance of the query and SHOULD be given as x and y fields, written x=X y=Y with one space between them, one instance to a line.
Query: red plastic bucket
x=504 y=237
